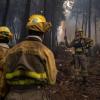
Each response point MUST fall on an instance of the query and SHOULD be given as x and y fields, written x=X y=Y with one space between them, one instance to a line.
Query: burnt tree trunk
x=49 y=13
x=89 y=18
x=25 y=18
x=4 y=20
x=76 y=21
x=83 y=19
x=86 y=22
x=95 y=20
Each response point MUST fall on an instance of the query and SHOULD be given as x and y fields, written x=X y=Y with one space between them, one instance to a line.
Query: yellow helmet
x=38 y=23
x=5 y=32
x=79 y=32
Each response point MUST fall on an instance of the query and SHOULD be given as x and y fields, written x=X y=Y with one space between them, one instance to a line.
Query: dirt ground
x=67 y=89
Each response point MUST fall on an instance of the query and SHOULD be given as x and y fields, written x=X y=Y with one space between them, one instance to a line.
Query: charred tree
x=49 y=7
x=6 y=12
x=86 y=22
x=83 y=20
x=25 y=18
x=76 y=21
x=66 y=40
x=95 y=24
x=89 y=18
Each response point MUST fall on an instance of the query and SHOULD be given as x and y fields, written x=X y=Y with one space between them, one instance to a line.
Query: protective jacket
x=81 y=44
x=3 y=50
x=30 y=62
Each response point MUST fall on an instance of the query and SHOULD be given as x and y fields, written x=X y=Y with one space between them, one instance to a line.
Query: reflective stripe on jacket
x=18 y=73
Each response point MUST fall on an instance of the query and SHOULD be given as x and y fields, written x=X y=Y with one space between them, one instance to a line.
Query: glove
x=1 y=98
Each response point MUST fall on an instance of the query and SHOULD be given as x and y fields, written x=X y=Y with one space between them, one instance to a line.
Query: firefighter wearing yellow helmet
x=5 y=36
x=79 y=33
x=30 y=64
x=81 y=44
x=38 y=23
x=5 y=33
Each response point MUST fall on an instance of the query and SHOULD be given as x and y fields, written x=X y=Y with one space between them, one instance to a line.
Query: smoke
x=69 y=22
x=67 y=6
x=73 y=11
x=65 y=24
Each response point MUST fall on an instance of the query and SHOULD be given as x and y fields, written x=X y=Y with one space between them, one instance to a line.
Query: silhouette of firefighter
x=80 y=45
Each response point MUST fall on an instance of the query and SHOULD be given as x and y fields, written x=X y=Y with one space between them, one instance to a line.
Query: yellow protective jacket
x=29 y=55
x=81 y=44
x=3 y=50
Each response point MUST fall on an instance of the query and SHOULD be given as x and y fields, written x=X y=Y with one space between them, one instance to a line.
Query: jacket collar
x=33 y=38
x=4 y=45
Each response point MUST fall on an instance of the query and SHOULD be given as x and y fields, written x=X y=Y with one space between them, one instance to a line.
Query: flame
x=61 y=31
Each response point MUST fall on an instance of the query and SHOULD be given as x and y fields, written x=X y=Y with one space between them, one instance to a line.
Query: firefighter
x=80 y=44
x=30 y=65
x=5 y=36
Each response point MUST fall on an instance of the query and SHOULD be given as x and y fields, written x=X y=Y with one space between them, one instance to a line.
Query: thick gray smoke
x=77 y=11
x=67 y=24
